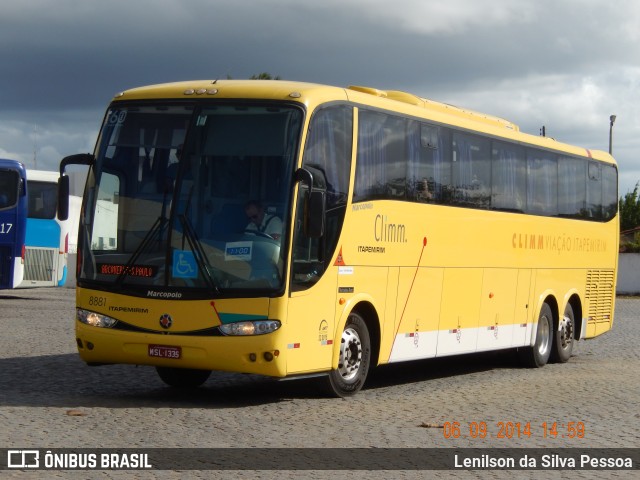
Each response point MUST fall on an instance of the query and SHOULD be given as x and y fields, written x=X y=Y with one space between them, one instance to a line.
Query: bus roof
x=42 y=175
x=437 y=106
x=14 y=164
x=267 y=89
x=312 y=94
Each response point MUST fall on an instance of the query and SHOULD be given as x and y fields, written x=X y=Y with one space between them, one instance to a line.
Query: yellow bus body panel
x=109 y=345
x=438 y=280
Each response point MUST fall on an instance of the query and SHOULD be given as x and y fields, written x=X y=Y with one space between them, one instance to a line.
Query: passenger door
x=313 y=283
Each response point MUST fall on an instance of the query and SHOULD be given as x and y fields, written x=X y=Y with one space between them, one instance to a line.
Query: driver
x=260 y=221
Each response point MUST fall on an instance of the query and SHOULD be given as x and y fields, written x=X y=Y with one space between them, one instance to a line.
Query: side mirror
x=63 y=181
x=78 y=159
x=315 y=202
x=63 y=197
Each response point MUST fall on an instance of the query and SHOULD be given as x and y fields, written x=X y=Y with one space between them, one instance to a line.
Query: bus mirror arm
x=63 y=181
x=78 y=159
x=314 y=205
x=304 y=175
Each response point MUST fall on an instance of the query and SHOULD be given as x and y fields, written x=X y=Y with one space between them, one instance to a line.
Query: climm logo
x=558 y=243
x=529 y=241
x=385 y=231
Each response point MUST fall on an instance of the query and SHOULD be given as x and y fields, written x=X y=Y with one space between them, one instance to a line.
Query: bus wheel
x=355 y=357
x=183 y=377
x=563 y=337
x=538 y=355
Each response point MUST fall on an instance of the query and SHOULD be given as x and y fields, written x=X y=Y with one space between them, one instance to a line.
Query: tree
x=630 y=218
x=264 y=76
x=630 y=209
x=259 y=76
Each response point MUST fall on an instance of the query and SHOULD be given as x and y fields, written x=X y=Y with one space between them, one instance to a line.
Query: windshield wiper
x=199 y=254
x=157 y=228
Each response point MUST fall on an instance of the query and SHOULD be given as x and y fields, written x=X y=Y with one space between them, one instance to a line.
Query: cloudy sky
x=564 y=64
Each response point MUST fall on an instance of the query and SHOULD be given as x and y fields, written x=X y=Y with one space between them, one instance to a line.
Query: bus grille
x=600 y=295
x=38 y=264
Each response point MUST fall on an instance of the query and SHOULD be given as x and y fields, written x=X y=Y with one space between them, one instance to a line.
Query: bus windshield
x=193 y=197
x=9 y=186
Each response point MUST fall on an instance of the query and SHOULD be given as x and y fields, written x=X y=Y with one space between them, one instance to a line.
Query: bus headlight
x=95 y=319
x=258 y=327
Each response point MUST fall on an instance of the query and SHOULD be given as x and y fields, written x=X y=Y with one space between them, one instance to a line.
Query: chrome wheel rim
x=566 y=332
x=350 y=354
x=544 y=336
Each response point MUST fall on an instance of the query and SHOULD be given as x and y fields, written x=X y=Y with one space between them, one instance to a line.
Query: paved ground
x=50 y=399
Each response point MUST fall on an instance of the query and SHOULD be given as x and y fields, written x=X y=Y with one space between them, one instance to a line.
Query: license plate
x=165 y=351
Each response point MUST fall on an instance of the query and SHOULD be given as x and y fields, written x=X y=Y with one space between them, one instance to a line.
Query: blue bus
x=47 y=238
x=13 y=222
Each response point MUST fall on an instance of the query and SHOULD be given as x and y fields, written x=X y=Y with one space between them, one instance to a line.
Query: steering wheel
x=258 y=233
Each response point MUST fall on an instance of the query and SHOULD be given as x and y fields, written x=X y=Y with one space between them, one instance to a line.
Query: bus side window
x=542 y=182
x=594 y=191
x=328 y=155
x=471 y=171
x=509 y=177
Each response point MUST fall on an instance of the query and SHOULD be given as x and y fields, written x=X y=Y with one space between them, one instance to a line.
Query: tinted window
x=509 y=177
x=327 y=156
x=542 y=182
x=572 y=187
x=401 y=158
x=9 y=183
x=609 y=192
x=594 y=191
x=471 y=171
x=425 y=168
x=43 y=199
x=382 y=159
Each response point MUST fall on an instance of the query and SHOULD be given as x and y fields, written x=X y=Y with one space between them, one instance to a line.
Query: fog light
x=252 y=357
x=268 y=356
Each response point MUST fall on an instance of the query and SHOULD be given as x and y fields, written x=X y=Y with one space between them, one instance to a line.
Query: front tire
x=354 y=361
x=563 y=337
x=183 y=377
x=538 y=355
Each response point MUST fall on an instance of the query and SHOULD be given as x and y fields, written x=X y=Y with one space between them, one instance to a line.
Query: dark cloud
x=523 y=60
x=84 y=58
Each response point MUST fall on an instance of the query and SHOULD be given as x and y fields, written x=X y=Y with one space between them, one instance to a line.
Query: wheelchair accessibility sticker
x=184 y=264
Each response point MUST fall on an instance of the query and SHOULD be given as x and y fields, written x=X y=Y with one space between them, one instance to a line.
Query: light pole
x=612 y=120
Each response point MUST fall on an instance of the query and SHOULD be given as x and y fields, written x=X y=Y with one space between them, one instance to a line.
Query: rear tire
x=355 y=358
x=563 y=337
x=538 y=355
x=183 y=377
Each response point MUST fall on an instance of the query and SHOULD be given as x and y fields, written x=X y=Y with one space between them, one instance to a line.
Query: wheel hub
x=544 y=332
x=350 y=354
x=566 y=331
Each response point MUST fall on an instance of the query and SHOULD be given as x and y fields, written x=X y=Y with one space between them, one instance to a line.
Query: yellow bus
x=293 y=229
